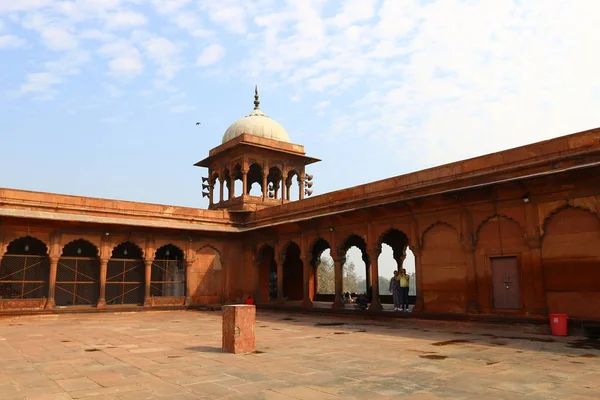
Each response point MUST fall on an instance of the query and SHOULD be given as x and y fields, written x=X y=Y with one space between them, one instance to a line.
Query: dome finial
x=256 y=101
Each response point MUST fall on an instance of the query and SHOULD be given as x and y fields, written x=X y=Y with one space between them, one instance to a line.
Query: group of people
x=399 y=289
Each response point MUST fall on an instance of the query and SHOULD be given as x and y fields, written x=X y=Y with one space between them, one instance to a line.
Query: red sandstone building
x=511 y=233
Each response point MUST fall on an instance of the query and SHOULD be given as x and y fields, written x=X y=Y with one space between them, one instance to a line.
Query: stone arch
x=274 y=183
x=167 y=273
x=255 y=180
x=215 y=186
x=557 y=210
x=571 y=262
x=25 y=269
x=266 y=274
x=80 y=248
x=125 y=275
x=27 y=245
x=498 y=216
x=353 y=274
x=433 y=225
x=205 y=276
x=443 y=270
x=127 y=250
x=78 y=274
x=293 y=280
x=293 y=193
x=226 y=178
x=236 y=175
x=394 y=253
x=322 y=279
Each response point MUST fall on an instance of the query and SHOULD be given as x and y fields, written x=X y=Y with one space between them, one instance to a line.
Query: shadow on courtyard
x=442 y=335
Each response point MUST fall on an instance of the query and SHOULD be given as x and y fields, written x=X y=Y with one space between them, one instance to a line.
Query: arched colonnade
x=78 y=276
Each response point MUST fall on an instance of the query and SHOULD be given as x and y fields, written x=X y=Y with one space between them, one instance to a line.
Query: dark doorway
x=167 y=277
x=293 y=281
x=125 y=275
x=25 y=270
x=505 y=283
x=78 y=275
x=267 y=275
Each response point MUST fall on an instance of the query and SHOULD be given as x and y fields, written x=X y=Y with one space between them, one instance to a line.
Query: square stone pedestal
x=238 y=328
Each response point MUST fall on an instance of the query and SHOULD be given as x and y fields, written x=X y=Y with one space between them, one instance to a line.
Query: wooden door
x=505 y=283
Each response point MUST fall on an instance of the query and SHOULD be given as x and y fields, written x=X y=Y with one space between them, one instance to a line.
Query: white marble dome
x=257 y=124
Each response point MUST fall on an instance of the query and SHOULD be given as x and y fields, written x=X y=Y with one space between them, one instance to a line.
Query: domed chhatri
x=256 y=124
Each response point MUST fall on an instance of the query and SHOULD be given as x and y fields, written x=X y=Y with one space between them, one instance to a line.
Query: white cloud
x=169 y=6
x=125 y=19
x=11 y=42
x=125 y=59
x=211 y=55
x=165 y=54
x=180 y=108
x=230 y=14
x=96 y=34
x=58 y=39
x=7 y=6
x=40 y=83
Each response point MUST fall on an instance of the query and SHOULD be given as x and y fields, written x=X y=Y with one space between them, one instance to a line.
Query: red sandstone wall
x=444 y=272
x=571 y=257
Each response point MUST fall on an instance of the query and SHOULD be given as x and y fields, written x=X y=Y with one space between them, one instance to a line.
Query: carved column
x=188 y=295
x=283 y=189
x=278 y=259
x=537 y=276
x=256 y=271
x=148 y=274
x=420 y=304
x=221 y=190
x=211 y=190
x=301 y=186
x=231 y=187
x=306 y=268
x=375 y=301
x=102 y=293
x=244 y=182
x=52 y=282
x=338 y=263
x=472 y=306
x=264 y=186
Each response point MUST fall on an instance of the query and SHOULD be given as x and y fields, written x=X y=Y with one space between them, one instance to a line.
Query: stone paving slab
x=177 y=355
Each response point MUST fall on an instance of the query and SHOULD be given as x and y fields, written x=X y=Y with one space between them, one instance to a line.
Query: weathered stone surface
x=238 y=328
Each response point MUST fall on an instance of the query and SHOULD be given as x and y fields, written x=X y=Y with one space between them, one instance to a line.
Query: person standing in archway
x=403 y=280
x=395 y=289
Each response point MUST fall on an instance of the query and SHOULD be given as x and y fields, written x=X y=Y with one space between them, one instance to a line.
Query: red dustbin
x=558 y=323
x=249 y=301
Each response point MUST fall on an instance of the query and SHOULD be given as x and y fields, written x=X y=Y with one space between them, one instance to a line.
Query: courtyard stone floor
x=177 y=355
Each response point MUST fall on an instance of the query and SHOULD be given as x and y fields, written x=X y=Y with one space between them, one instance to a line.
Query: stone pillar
x=301 y=187
x=306 y=267
x=188 y=295
x=375 y=301
x=339 y=283
x=283 y=189
x=257 y=281
x=102 y=294
x=472 y=306
x=244 y=183
x=211 y=190
x=231 y=187
x=537 y=276
x=238 y=328
x=265 y=186
x=279 y=278
x=148 y=274
x=420 y=304
x=52 y=282
x=221 y=190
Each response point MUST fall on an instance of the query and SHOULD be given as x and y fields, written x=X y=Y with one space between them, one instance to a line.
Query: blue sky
x=100 y=97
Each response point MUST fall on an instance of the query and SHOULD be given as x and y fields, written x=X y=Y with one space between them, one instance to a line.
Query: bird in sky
x=198 y=123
